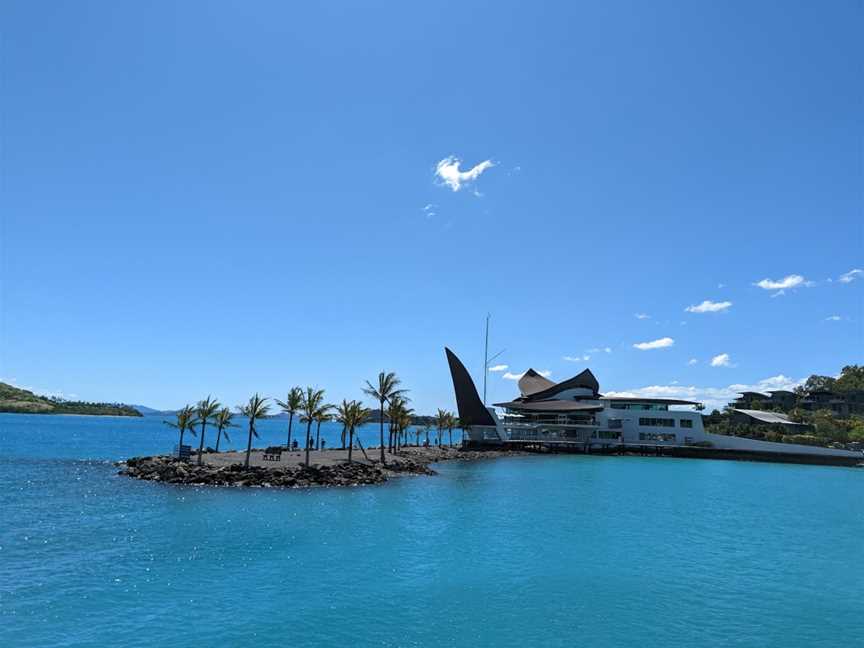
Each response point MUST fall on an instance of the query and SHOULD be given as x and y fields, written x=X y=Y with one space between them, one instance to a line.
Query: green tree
x=291 y=406
x=816 y=383
x=223 y=422
x=312 y=401
x=185 y=422
x=321 y=416
x=205 y=411
x=341 y=416
x=256 y=408
x=387 y=388
x=355 y=416
x=851 y=379
x=441 y=422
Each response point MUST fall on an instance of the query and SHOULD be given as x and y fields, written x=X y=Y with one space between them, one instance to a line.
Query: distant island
x=21 y=401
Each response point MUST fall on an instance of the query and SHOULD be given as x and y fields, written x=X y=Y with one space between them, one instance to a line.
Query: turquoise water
x=551 y=551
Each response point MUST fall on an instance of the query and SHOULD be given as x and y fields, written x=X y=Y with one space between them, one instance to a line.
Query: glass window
x=686 y=423
x=656 y=422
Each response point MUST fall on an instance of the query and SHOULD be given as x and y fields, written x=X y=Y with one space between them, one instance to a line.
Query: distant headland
x=14 y=400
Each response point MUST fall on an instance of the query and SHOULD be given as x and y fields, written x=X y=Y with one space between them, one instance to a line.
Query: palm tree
x=452 y=421
x=321 y=416
x=223 y=422
x=205 y=411
x=256 y=408
x=403 y=423
x=341 y=417
x=386 y=389
x=291 y=405
x=185 y=422
x=441 y=422
x=356 y=415
x=426 y=429
x=312 y=400
x=466 y=427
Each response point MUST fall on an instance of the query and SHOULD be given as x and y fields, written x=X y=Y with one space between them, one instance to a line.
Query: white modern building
x=574 y=415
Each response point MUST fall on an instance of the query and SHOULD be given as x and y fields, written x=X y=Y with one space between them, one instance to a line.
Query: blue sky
x=229 y=197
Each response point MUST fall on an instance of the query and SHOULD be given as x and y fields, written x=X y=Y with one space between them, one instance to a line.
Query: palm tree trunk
x=201 y=445
x=344 y=430
x=218 y=438
x=290 y=421
x=308 y=440
x=427 y=436
x=350 y=443
x=383 y=459
x=249 y=445
x=318 y=436
x=180 y=446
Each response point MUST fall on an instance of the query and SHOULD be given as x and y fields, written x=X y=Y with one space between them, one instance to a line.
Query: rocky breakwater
x=170 y=470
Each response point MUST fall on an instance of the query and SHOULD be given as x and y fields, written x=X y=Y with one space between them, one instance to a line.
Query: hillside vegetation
x=20 y=401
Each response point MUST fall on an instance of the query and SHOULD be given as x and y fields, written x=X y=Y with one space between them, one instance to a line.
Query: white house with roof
x=573 y=414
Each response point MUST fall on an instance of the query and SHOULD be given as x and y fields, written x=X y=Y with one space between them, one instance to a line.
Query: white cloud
x=722 y=360
x=642 y=316
x=833 y=318
x=511 y=376
x=712 y=397
x=600 y=350
x=429 y=210
x=662 y=343
x=582 y=358
x=790 y=281
x=692 y=361
x=850 y=276
x=500 y=367
x=709 y=306
x=448 y=173
x=721 y=285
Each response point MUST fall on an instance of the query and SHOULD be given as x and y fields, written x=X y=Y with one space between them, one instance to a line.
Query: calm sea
x=546 y=551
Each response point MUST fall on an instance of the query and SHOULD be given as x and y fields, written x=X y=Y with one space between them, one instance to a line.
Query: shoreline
x=327 y=468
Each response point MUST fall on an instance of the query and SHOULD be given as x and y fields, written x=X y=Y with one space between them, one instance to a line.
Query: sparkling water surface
x=546 y=551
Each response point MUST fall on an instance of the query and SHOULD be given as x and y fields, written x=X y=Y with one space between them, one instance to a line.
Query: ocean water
x=545 y=551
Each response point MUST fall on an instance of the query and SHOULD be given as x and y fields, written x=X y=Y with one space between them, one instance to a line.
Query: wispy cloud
x=600 y=350
x=850 y=276
x=692 y=361
x=712 y=397
x=511 y=376
x=709 y=306
x=642 y=316
x=833 y=318
x=448 y=173
x=500 y=367
x=662 y=343
x=429 y=210
x=582 y=358
x=722 y=360
x=782 y=285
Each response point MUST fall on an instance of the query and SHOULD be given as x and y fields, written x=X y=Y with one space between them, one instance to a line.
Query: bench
x=272 y=456
x=183 y=452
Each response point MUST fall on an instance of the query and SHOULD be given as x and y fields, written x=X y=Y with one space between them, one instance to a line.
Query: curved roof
x=557 y=406
x=659 y=401
x=769 y=417
x=532 y=382
x=585 y=380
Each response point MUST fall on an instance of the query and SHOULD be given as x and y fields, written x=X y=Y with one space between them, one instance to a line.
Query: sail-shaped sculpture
x=471 y=408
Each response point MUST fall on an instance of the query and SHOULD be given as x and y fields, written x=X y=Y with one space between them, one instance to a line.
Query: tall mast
x=486 y=359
